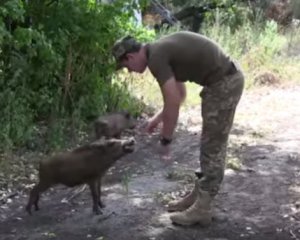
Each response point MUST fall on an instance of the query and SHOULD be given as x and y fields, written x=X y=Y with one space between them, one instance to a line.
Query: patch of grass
x=180 y=175
x=49 y=235
x=175 y=175
x=257 y=134
x=125 y=182
x=233 y=163
x=163 y=198
x=144 y=87
x=192 y=95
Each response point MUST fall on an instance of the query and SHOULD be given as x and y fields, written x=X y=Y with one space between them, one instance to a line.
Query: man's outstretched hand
x=150 y=125
x=164 y=151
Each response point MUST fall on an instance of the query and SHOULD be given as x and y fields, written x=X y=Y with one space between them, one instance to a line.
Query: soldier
x=174 y=59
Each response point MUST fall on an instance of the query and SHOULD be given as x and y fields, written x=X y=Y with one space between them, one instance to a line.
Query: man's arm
x=182 y=91
x=174 y=94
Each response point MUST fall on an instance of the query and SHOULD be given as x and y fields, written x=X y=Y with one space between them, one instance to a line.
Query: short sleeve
x=160 y=68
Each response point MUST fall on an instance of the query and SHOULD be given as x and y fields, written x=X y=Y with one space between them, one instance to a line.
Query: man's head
x=130 y=54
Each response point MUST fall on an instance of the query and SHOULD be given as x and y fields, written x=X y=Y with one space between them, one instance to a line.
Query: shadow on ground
x=259 y=201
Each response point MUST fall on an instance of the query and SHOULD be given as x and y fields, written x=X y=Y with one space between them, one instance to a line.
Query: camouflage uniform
x=219 y=102
x=189 y=56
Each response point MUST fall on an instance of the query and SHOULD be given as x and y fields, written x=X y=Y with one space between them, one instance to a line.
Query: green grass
x=192 y=95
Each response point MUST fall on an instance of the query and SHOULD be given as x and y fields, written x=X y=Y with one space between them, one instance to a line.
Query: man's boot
x=185 y=202
x=199 y=212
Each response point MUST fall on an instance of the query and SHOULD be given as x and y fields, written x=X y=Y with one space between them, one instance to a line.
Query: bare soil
x=259 y=198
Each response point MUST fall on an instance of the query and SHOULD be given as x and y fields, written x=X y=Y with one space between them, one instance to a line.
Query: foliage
x=247 y=38
x=56 y=66
x=232 y=13
x=258 y=45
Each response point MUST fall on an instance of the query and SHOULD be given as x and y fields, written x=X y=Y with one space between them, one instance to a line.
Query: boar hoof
x=28 y=209
x=97 y=211
x=101 y=204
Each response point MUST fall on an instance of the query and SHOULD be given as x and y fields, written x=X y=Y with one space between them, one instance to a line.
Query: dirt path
x=260 y=200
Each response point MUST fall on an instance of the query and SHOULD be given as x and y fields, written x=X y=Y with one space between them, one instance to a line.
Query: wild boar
x=85 y=164
x=113 y=124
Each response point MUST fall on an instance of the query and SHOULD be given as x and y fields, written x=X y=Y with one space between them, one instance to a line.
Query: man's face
x=134 y=62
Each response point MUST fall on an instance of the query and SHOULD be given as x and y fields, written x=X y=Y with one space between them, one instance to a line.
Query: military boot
x=185 y=202
x=199 y=212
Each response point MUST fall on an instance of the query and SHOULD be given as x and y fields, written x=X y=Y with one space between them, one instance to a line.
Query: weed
x=233 y=163
x=125 y=182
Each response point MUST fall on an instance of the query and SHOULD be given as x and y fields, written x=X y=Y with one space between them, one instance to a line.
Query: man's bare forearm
x=173 y=94
x=158 y=116
x=169 y=118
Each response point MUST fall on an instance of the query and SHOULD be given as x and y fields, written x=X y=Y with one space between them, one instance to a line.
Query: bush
x=56 y=64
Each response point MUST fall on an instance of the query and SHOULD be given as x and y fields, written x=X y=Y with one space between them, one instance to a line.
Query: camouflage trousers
x=219 y=102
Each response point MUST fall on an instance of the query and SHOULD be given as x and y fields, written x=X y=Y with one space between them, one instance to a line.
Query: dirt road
x=259 y=199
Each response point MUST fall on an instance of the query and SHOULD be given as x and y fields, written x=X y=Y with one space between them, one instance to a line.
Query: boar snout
x=129 y=145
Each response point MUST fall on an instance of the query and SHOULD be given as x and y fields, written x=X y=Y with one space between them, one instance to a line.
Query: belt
x=216 y=77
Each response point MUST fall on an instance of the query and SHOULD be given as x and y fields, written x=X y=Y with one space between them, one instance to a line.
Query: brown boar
x=113 y=124
x=85 y=164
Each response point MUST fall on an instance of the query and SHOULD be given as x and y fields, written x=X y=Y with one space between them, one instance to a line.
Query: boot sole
x=206 y=224
x=176 y=209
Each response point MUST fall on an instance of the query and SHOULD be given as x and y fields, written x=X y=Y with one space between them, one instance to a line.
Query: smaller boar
x=113 y=124
x=85 y=164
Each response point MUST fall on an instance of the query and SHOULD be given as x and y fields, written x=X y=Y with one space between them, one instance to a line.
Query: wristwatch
x=165 y=141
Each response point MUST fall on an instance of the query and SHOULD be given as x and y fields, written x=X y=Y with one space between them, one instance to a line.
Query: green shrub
x=56 y=65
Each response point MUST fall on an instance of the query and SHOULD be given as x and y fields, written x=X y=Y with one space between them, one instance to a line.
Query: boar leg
x=35 y=195
x=117 y=135
x=94 y=192
x=98 y=187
